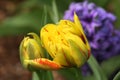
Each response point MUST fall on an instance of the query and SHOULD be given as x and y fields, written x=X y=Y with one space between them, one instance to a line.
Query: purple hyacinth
x=98 y=26
x=90 y=15
x=99 y=29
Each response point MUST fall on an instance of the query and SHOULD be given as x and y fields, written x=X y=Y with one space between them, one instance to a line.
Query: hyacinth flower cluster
x=98 y=25
x=60 y=41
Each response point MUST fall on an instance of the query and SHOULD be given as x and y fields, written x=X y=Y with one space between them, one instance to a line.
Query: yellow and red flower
x=32 y=54
x=65 y=42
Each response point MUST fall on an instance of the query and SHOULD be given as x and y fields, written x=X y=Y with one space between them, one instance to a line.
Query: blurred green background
x=18 y=17
x=22 y=16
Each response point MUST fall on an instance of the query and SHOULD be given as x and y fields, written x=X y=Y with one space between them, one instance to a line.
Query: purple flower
x=98 y=26
x=99 y=29
x=90 y=15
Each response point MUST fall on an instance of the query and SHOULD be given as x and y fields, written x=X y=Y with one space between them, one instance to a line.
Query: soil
x=10 y=67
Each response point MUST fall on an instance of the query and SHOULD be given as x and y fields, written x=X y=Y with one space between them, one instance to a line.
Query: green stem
x=98 y=72
x=55 y=12
x=42 y=75
x=49 y=75
x=45 y=15
x=117 y=77
x=78 y=74
x=36 y=75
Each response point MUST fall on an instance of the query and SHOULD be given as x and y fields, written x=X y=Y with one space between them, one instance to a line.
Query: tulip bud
x=32 y=54
x=66 y=43
x=30 y=49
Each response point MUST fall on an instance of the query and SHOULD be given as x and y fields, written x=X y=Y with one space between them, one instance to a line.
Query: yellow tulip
x=66 y=43
x=32 y=54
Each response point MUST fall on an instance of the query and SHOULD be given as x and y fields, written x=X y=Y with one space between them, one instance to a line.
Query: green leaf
x=20 y=24
x=35 y=76
x=55 y=16
x=31 y=21
x=97 y=70
x=110 y=65
x=49 y=75
x=117 y=77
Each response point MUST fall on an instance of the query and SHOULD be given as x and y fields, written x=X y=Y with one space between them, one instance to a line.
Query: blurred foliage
x=101 y=3
x=116 y=10
x=30 y=15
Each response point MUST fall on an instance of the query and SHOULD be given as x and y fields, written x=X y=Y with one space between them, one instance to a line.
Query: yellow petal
x=79 y=26
x=48 y=34
x=76 y=53
x=78 y=42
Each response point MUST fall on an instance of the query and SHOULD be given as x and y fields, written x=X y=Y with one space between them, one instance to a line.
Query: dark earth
x=10 y=67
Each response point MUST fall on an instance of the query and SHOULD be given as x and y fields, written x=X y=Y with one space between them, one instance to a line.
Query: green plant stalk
x=36 y=75
x=78 y=74
x=97 y=70
x=45 y=15
x=42 y=75
x=49 y=75
x=55 y=12
x=117 y=77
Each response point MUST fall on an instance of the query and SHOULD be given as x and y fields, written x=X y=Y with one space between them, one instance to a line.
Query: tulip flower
x=32 y=54
x=30 y=49
x=66 y=43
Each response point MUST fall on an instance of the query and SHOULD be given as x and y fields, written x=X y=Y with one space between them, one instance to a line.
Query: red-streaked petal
x=48 y=63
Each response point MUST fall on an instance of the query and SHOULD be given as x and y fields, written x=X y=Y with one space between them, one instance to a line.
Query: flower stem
x=36 y=75
x=55 y=12
x=42 y=75
x=78 y=74
x=49 y=75
x=98 y=72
